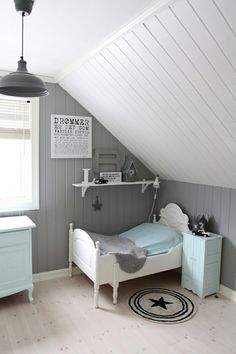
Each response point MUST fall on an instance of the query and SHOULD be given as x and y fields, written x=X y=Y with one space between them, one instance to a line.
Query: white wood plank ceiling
x=167 y=90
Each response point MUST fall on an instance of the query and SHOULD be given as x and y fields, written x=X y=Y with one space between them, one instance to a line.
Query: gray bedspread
x=129 y=257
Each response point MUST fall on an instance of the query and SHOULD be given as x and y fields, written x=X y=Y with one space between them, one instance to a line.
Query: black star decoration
x=161 y=302
x=97 y=205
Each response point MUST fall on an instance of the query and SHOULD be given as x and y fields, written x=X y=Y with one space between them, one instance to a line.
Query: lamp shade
x=24 y=6
x=21 y=83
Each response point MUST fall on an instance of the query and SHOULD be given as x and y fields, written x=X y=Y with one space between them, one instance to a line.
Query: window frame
x=24 y=203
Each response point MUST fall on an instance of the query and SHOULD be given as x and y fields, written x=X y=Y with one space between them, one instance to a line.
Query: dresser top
x=14 y=223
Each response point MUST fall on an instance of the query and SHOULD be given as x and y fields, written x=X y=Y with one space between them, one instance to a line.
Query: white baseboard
x=227 y=292
x=60 y=273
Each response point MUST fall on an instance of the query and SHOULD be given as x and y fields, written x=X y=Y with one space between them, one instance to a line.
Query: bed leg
x=115 y=294
x=70 y=249
x=96 y=282
x=96 y=293
x=70 y=269
x=115 y=284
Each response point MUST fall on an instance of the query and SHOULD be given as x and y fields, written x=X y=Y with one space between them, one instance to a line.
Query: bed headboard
x=173 y=216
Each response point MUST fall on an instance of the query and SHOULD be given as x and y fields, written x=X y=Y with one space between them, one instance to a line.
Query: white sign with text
x=71 y=136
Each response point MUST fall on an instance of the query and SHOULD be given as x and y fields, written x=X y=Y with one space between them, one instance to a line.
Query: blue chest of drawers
x=15 y=255
x=201 y=263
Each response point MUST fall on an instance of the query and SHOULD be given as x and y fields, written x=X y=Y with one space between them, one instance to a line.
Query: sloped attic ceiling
x=159 y=74
x=167 y=90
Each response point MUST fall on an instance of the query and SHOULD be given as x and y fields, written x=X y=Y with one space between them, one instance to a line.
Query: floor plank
x=62 y=319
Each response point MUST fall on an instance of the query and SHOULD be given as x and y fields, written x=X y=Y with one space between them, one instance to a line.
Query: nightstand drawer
x=213 y=258
x=213 y=248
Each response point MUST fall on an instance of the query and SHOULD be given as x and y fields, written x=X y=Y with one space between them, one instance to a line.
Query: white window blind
x=14 y=119
x=18 y=153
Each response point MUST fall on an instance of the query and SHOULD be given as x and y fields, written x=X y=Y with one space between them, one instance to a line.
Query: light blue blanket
x=155 y=238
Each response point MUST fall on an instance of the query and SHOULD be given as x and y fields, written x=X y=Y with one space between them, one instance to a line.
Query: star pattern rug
x=162 y=305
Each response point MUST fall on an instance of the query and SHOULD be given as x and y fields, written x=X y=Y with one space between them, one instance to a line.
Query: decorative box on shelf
x=201 y=263
x=112 y=176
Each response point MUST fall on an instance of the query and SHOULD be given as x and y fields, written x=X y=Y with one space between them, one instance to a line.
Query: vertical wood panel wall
x=61 y=203
x=220 y=204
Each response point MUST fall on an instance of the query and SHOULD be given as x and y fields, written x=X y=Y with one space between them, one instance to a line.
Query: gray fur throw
x=130 y=258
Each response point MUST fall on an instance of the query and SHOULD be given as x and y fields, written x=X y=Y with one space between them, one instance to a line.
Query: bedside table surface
x=211 y=237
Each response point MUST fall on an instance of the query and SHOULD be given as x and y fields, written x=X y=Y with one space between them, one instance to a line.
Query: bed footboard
x=85 y=255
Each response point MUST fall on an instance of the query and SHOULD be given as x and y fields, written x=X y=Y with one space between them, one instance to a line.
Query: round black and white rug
x=162 y=305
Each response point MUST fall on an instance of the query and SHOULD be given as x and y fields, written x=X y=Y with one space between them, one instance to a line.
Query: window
x=19 y=188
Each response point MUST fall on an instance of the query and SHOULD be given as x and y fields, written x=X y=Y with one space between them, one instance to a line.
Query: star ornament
x=161 y=302
x=97 y=205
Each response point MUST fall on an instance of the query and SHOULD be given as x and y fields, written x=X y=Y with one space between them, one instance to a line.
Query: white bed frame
x=104 y=269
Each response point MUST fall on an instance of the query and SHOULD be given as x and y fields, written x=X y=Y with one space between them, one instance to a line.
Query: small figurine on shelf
x=100 y=180
x=200 y=227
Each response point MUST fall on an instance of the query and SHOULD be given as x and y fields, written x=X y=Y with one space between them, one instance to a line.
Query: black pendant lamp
x=21 y=83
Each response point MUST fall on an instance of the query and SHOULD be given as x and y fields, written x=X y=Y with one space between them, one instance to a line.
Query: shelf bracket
x=83 y=190
x=144 y=186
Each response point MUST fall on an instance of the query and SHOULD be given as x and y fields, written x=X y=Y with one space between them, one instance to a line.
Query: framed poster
x=71 y=136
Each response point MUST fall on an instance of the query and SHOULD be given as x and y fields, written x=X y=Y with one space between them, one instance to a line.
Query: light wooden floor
x=62 y=320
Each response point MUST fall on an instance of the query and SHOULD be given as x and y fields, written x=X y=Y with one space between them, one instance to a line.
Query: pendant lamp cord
x=22 y=36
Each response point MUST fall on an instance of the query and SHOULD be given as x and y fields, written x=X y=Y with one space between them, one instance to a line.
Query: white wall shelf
x=85 y=184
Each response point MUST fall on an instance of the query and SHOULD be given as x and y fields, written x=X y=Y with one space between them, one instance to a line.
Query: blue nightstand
x=201 y=263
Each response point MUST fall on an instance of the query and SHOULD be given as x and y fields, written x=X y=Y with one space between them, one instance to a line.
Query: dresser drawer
x=13 y=238
x=15 y=262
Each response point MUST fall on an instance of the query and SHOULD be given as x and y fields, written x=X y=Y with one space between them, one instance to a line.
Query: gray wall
x=61 y=203
x=220 y=204
x=123 y=207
